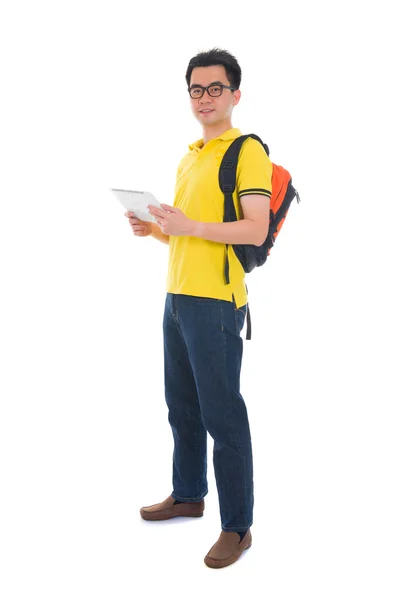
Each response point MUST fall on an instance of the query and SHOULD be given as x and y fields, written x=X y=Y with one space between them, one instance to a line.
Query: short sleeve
x=179 y=169
x=254 y=171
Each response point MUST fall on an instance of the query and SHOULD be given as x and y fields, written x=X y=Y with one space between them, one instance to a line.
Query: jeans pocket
x=240 y=316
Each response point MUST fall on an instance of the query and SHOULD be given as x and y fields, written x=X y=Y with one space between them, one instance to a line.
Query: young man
x=203 y=315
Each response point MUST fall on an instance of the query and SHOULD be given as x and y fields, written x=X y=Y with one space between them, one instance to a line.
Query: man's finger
x=154 y=210
x=169 y=208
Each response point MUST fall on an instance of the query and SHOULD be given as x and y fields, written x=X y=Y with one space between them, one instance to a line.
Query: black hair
x=214 y=57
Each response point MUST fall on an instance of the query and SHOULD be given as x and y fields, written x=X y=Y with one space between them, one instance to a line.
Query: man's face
x=210 y=110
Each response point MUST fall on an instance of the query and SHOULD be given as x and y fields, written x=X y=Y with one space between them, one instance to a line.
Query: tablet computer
x=137 y=202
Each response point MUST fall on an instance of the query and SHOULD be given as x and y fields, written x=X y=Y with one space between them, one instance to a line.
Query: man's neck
x=209 y=133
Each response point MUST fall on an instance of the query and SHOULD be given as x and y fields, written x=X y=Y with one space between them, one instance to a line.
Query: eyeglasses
x=213 y=90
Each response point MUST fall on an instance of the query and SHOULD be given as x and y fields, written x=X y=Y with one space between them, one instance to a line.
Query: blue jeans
x=202 y=357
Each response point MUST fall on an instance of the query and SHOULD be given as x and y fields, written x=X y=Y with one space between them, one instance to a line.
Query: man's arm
x=157 y=234
x=252 y=229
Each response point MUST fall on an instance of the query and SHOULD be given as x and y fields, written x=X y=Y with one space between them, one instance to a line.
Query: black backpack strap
x=248 y=318
x=227 y=184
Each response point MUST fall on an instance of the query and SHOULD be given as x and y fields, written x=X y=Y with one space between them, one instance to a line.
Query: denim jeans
x=202 y=357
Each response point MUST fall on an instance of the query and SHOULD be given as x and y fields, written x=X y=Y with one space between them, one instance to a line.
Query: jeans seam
x=225 y=347
x=238 y=528
x=196 y=499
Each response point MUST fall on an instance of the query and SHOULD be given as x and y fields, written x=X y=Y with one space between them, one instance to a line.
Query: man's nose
x=205 y=98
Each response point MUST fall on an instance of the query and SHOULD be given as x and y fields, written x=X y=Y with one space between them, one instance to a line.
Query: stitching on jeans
x=244 y=527
x=225 y=346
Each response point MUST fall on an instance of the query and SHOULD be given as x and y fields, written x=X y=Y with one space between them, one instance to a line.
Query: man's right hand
x=139 y=227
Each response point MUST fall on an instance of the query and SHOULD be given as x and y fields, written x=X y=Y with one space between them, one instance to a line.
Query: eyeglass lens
x=197 y=92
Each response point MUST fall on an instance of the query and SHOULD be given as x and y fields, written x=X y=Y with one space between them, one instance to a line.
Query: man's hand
x=140 y=228
x=172 y=221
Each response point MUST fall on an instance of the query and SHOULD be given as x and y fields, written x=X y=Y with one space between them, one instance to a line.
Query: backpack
x=282 y=194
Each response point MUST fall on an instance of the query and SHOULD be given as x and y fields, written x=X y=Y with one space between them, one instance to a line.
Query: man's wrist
x=198 y=229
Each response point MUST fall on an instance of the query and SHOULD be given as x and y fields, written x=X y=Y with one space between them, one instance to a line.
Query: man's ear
x=236 y=97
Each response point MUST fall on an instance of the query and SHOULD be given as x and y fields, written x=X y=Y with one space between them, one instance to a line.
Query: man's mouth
x=207 y=110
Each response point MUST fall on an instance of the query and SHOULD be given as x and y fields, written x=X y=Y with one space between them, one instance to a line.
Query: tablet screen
x=137 y=202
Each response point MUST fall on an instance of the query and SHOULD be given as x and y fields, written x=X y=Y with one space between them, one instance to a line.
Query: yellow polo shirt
x=196 y=266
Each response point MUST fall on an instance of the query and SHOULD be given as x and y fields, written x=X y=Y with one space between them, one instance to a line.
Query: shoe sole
x=161 y=517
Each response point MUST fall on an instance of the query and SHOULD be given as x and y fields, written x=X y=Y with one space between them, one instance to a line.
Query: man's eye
x=216 y=88
x=196 y=90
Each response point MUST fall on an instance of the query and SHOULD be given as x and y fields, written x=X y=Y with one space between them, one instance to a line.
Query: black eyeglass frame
x=221 y=85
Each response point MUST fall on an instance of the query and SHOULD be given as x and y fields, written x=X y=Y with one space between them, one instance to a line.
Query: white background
x=94 y=96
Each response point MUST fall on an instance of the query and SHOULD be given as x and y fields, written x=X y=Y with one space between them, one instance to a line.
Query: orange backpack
x=282 y=195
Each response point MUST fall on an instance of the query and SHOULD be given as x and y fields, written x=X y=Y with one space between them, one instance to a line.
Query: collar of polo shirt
x=230 y=134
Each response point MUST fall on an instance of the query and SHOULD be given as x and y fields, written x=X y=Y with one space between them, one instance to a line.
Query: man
x=203 y=315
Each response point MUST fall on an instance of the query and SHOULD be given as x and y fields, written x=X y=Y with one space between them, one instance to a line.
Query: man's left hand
x=172 y=221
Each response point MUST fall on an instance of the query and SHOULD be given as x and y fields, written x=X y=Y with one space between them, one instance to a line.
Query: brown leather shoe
x=167 y=510
x=227 y=549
